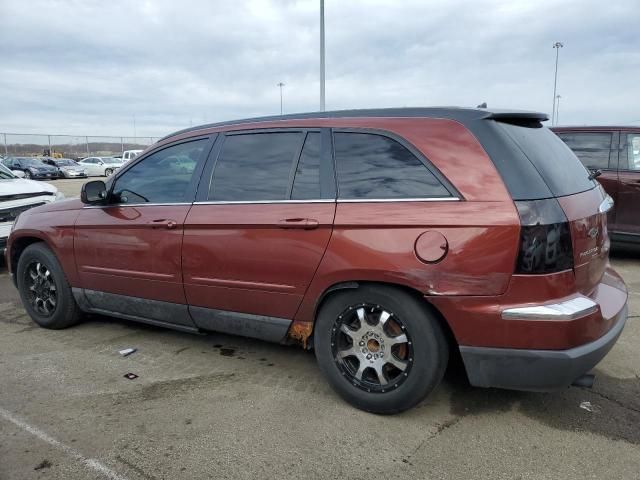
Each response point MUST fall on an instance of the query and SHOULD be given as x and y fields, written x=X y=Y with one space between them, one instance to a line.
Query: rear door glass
x=593 y=149
x=555 y=162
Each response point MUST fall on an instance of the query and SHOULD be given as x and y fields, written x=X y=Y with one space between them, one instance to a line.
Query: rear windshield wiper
x=594 y=173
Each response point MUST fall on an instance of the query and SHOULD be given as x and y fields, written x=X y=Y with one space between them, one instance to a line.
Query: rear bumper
x=538 y=370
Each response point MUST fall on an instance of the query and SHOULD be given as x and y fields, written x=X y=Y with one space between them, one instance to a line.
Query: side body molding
x=182 y=317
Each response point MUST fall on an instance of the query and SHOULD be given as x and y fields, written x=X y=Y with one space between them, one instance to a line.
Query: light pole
x=558 y=97
x=557 y=46
x=322 y=55
x=281 y=85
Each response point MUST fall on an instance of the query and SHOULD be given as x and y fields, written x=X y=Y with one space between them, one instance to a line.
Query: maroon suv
x=382 y=239
x=615 y=152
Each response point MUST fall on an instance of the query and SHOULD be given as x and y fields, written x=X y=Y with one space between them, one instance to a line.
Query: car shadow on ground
x=612 y=411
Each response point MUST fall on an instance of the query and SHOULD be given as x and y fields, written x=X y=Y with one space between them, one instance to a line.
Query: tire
x=421 y=349
x=58 y=309
x=27 y=174
x=108 y=172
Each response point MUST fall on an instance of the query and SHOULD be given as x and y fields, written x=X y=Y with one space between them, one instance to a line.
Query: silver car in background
x=100 y=166
x=67 y=168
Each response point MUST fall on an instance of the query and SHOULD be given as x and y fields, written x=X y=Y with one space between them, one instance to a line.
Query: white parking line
x=91 y=463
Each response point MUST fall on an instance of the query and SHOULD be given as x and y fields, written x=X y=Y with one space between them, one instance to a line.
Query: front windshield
x=5 y=173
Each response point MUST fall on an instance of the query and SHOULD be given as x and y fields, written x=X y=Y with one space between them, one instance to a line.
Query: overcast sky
x=87 y=67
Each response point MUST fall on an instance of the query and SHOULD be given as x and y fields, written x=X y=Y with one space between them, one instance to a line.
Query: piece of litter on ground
x=130 y=376
x=127 y=351
x=588 y=406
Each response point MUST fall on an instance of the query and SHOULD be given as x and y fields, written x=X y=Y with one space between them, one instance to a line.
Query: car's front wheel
x=381 y=348
x=108 y=172
x=44 y=290
x=27 y=174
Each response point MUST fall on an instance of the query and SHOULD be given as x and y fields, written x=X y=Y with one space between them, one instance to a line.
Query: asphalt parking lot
x=217 y=406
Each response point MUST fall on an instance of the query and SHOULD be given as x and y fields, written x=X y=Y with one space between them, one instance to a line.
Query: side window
x=306 y=185
x=162 y=177
x=255 y=166
x=378 y=167
x=633 y=152
x=593 y=149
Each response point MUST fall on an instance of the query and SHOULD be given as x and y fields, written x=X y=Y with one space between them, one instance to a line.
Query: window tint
x=377 y=167
x=593 y=149
x=306 y=185
x=162 y=177
x=556 y=164
x=255 y=166
x=633 y=152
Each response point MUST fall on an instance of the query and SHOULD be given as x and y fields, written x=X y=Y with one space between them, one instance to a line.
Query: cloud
x=87 y=67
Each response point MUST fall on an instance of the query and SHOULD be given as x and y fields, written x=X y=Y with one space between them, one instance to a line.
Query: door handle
x=163 y=222
x=299 y=223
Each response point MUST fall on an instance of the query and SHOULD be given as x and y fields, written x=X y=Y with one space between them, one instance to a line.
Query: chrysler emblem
x=593 y=233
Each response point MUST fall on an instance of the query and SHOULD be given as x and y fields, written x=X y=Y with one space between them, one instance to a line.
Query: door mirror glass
x=93 y=192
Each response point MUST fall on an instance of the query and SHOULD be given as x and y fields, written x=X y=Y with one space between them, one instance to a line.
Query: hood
x=71 y=167
x=59 y=206
x=43 y=167
x=22 y=186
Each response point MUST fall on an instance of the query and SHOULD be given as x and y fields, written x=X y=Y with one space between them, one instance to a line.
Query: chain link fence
x=69 y=146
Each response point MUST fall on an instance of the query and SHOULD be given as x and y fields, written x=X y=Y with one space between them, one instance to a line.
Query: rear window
x=557 y=165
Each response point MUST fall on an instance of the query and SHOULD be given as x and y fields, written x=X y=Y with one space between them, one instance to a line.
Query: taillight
x=545 y=237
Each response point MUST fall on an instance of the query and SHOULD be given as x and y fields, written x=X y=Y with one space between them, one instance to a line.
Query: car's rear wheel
x=381 y=348
x=44 y=290
x=108 y=172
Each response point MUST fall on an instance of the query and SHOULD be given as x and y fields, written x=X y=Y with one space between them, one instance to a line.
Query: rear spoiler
x=518 y=118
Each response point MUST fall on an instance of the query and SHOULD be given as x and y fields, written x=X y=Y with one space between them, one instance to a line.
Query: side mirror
x=100 y=162
x=93 y=192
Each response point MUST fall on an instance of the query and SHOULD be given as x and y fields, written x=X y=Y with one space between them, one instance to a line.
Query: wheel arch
x=303 y=331
x=18 y=246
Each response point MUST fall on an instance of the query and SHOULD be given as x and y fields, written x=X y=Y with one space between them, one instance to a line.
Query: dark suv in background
x=615 y=151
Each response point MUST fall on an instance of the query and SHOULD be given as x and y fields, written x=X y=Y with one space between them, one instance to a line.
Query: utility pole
x=280 y=84
x=558 y=97
x=322 y=55
x=134 y=127
x=557 y=46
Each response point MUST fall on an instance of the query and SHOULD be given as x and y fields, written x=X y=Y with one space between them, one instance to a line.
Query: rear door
x=598 y=150
x=128 y=252
x=628 y=200
x=259 y=229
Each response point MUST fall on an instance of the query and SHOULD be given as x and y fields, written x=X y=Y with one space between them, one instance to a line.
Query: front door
x=256 y=236
x=628 y=201
x=128 y=251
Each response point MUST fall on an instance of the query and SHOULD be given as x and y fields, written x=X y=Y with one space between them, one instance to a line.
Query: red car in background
x=382 y=239
x=614 y=151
